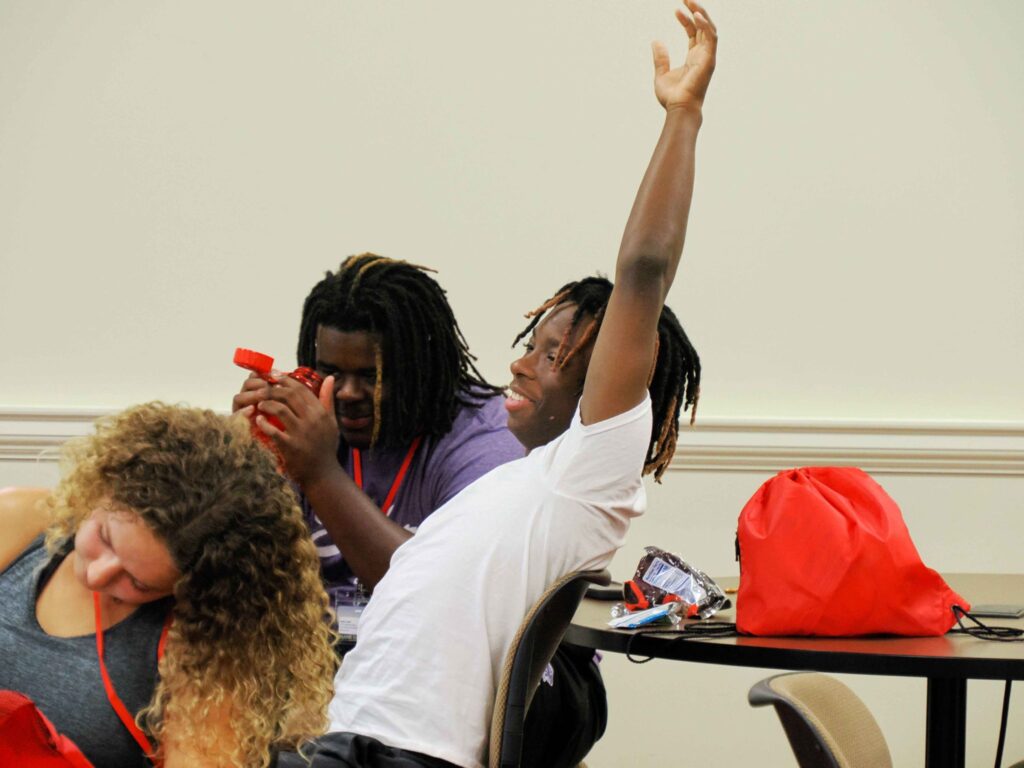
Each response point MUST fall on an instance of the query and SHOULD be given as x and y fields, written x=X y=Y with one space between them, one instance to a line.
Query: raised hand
x=254 y=390
x=309 y=442
x=685 y=86
x=652 y=242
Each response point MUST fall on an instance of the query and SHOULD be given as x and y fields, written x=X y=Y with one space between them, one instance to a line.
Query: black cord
x=1002 y=724
x=693 y=631
x=983 y=631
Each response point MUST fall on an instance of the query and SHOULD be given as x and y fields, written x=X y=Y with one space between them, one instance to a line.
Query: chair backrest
x=530 y=652
x=827 y=724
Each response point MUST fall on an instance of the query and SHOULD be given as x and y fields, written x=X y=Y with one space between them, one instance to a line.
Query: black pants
x=348 y=750
x=565 y=720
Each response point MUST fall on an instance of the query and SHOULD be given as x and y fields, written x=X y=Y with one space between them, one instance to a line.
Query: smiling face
x=542 y=398
x=351 y=357
x=117 y=555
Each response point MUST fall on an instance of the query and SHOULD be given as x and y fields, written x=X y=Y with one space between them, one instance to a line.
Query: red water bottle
x=262 y=365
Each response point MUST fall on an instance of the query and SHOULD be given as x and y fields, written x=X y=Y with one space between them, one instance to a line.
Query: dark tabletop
x=949 y=656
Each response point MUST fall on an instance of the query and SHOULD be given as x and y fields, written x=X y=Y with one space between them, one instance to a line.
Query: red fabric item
x=824 y=551
x=29 y=740
x=115 y=701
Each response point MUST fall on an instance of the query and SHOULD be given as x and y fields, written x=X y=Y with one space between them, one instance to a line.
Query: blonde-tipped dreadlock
x=588 y=333
x=378 y=393
x=675 y=376
x=366 y=261
x=539 y=311
x=422 y=352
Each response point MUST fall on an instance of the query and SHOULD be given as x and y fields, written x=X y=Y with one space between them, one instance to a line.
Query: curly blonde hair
x=250 y=631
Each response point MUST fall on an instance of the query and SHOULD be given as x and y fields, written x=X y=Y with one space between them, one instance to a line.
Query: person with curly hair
x=171 y=527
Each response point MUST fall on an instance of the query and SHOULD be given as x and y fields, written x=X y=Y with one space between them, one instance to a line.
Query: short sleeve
x=601 y=463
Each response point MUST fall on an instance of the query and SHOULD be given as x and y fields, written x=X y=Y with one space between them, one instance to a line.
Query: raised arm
x=653 y=239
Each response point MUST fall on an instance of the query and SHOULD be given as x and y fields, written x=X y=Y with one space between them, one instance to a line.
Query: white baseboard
x=726 y=445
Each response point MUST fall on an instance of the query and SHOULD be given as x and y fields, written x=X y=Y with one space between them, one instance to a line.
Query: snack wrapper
x=662 y=577
x=660 y=614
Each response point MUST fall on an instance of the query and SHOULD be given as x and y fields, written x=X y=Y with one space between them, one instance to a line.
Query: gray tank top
x=61 y=674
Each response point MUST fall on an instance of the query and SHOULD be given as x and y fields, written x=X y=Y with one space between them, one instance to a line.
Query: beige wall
x=174 y=176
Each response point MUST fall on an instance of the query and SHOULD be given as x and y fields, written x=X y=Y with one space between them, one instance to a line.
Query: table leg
x=946 y=730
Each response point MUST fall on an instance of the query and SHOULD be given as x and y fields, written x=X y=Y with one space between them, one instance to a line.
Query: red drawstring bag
x=29 y=740
x=824 y=551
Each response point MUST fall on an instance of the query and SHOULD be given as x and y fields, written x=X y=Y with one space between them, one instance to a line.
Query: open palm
x=686 y=85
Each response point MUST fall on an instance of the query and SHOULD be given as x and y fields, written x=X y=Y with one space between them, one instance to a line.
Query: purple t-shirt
x=478 y=442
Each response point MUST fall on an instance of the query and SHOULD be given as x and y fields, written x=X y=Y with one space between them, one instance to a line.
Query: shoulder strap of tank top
x=115 y=701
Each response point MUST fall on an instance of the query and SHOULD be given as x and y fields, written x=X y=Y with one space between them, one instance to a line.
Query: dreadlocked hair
x=430 y=370
x=675 y=377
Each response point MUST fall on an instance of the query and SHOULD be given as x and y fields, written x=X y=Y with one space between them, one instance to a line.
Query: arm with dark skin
x=652 y=243
x=366 y=537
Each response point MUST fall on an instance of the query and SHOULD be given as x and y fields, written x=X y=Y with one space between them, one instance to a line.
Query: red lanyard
x=115 y=700
x=357 y=473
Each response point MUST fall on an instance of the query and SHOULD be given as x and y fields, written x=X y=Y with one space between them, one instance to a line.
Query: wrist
x=320 y=475
x=688 y=112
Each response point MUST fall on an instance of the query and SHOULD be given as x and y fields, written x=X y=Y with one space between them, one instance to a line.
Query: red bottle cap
x=254 y=361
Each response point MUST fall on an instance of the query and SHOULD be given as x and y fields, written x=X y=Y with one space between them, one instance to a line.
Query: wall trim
x=714 y=444
x=37 y=434
x=878 y=447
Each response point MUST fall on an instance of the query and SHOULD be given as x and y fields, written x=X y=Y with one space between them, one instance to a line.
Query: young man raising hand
x=419 y=687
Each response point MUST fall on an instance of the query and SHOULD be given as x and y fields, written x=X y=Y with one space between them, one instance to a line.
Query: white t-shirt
x=433 y=639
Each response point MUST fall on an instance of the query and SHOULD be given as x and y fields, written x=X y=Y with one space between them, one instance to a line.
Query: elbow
x=644 y=273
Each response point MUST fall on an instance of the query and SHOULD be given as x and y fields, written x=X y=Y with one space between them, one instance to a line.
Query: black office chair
x=827 y=724
x=531 y=651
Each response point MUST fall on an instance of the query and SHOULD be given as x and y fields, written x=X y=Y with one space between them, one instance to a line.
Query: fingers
x=703 y=34
x=326 y=396
x=700 y=17
x=255 y=381
x=688 y=25
x=301 y=426
x=294 y=393
x=705 y=27
x=254 y=384
x=246 y=399
x=699 y=28
x=296 y=406
x=284 y=415
x=254 y=389
x=661 y=60
x=269 y=429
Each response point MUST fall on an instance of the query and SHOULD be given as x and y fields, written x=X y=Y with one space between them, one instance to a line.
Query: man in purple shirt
x=414 y=421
